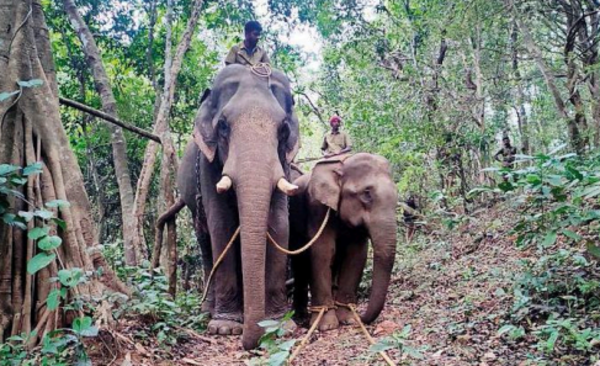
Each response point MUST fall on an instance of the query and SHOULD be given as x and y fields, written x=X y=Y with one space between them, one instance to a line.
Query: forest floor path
x=451 y=287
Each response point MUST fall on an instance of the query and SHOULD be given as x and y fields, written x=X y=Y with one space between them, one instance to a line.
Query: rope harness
x=308 y=245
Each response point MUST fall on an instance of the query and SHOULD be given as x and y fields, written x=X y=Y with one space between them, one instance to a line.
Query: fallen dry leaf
x=386 y=328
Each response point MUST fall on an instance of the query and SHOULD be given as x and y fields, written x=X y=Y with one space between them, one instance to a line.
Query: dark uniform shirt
x=508 y=155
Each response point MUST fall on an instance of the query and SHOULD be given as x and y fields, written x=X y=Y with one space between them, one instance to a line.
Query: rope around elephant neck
x=279 y=247
x=262 y=70
x=308 y=245
x=352 y=308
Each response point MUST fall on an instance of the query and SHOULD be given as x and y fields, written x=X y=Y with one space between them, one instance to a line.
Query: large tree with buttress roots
x=31 y=133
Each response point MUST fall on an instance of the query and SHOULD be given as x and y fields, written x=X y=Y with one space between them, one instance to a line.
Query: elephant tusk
x=287 y=187
x=224 y=184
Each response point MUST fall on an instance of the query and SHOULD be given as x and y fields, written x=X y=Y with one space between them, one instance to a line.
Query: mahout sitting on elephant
x=360 y=195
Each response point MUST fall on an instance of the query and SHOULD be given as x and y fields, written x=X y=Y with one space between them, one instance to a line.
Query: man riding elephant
x=248 y=52
x=336 y=141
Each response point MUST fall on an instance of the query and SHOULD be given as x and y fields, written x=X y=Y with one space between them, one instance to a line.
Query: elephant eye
x=223 y=129
x=366 y=196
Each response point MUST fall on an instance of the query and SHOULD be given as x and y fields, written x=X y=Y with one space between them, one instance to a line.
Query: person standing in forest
x=248 y=52
x=507 y=152
x=409 y=215
x=336 y=142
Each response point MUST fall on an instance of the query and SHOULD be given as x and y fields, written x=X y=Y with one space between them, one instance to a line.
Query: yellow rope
x=216 y=265
x=262 y=70
x=280 y=248
x=352 y=308
x=308 y=245
x=321 y=310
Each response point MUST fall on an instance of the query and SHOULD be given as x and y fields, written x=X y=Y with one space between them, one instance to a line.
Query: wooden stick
x=108 y=118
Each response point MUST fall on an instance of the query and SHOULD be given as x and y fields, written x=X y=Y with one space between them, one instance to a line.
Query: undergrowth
x=556 y=303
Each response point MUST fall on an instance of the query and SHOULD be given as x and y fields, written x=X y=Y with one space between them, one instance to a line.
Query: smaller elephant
x=362 y=198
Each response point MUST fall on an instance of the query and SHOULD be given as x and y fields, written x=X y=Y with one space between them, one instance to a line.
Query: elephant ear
x=293 y=141
x=204 y=131
x=325 y=183
x=281 y=89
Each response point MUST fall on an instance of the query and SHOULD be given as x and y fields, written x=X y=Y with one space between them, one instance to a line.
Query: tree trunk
x=168 y=199
x=575 y=124
x=134 y=250
x=32 y=130
x=536 y=53
x=172 y=68
x=520 y=107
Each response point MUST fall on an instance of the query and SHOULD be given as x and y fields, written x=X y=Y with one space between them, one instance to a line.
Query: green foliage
x=557 y=195
x=5 y=95
x=40 y=261
x=167 y=316
x=560 y=292
x=555 y=299
x=277 y=350
x=30 y=83
x=61 y=346
x=11 y=184
x=399 y=342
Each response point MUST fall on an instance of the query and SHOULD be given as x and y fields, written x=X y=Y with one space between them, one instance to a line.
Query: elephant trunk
x=383 y=238
x=254 y=188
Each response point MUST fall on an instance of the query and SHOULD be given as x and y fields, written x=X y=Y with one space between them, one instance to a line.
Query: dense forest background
x=432 y=85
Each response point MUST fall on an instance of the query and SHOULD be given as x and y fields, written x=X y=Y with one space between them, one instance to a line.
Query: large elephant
x=247 y=133
x=362 y=197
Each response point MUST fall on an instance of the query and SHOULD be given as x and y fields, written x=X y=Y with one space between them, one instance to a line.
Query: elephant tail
x=171 y=214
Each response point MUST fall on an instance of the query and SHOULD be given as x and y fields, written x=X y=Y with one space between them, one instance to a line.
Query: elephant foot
x=345 y=316
x=328 y=322
x=302 y=317
x=225 y=327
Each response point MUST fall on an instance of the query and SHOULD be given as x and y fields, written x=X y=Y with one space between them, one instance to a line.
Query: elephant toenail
x=224 y=331
x=237 y=331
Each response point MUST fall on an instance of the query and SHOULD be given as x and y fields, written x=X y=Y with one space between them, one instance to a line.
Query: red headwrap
x=335 y=119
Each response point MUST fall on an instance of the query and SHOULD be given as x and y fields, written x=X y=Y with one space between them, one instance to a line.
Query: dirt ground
x=452 y=290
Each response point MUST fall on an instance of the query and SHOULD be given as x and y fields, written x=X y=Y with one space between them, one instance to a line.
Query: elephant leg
x=227 y=315
x=222 y=221
x=351 y=268
x=322 y=255
x=301 y=271
x=276 y=262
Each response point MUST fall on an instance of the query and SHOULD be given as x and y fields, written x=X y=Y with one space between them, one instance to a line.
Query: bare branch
x=108 y=118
